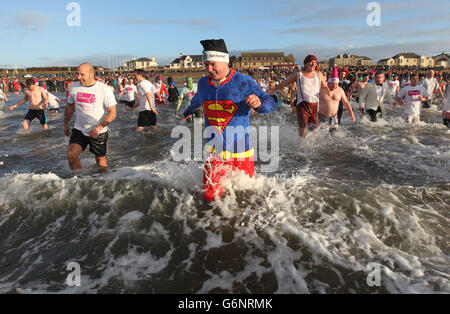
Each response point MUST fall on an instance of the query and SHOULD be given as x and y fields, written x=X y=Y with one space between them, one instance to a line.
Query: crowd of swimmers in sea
x=351 y=79
x=227 y=99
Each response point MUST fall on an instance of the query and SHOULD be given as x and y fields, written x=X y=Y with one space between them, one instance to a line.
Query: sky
x=36 y=33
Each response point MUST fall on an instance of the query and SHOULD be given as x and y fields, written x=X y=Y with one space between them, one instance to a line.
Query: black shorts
x=96 y=146
x=40 y=114
x=146 y=118
x=129 y=103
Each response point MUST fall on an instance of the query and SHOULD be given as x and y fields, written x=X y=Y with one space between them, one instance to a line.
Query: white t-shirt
x=406 y=83
x=430 y=85
x=411 y=95
x=145 y=87
x=130 y=92
x=393 y=86
x=309 y=90
x=1 y=96
x=52 y=103
x=90 y=105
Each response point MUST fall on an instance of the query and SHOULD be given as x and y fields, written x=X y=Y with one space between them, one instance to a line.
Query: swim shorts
x=146 y=118
x=307 y=115
x=40 y=114
x=129 y=103
x=331 y=121
x=97 y=146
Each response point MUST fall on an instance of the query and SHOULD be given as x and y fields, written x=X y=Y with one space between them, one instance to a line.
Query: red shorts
x=307 y=115
x=216 y=170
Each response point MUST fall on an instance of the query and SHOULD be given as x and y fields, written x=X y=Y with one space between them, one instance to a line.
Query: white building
x=187 y=62
x=442 y=60
x=142 y=63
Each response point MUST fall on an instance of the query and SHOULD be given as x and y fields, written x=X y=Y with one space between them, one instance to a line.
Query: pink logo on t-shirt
x=414 y=94
x=130 y=89
x=86 y=102
x=86 y=98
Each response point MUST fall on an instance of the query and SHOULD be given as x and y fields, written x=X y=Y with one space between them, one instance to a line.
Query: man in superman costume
x=227 y=98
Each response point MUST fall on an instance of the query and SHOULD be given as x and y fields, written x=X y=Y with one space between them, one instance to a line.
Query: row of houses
x=247 y=61
x=350 y=60
x=412 y=59
x=401 y=59
x=262 y=60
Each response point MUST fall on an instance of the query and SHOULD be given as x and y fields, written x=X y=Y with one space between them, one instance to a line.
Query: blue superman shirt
x=227 y=113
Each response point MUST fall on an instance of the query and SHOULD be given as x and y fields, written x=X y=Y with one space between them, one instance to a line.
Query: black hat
x=214 y=45
x=215 y=50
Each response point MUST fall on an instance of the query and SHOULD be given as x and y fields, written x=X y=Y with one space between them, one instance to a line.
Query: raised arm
x=323 y=83
x=291 y=79
x=195 y=104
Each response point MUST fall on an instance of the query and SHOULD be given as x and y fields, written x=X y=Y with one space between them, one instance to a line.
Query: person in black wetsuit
x=173 y=93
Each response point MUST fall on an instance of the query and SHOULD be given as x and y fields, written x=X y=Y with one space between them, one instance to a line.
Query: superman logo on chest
x=219 y=113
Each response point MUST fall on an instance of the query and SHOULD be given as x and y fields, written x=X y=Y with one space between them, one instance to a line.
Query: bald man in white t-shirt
x=90 y=101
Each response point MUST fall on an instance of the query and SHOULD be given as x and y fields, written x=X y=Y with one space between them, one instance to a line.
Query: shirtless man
x=329 y=101
x=37 y=96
